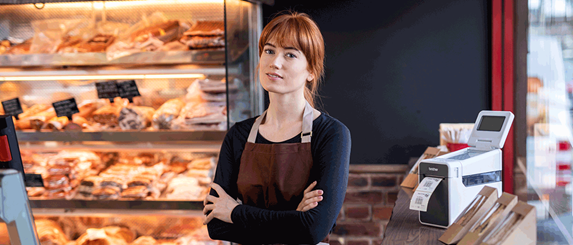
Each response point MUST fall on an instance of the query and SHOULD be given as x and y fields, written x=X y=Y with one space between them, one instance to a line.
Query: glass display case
x=549 y=154
x=156 y=84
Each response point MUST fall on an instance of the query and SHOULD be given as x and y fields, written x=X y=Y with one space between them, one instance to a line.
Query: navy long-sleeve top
x=330 y=145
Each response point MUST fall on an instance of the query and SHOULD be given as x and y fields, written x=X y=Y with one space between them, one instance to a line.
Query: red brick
x=358 y=242
x=359 y=229
x=369 y=197
x=335 y=242
x=358 y=212
x=381 y=213
x=377 y=241
x=357 y=180
x=384 y=180
x=391 y=197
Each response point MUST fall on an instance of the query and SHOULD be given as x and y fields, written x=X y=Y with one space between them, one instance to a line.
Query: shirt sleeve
x=331 y=161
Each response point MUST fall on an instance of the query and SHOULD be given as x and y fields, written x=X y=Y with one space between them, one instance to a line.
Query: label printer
x=465 y=172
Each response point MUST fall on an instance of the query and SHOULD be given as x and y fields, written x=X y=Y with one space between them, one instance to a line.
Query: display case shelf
x=116 y=204
x=199 y=57
x=122 y=136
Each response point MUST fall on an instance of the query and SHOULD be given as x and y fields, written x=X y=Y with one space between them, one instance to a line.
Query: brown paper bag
x=490 y=219
x=517 y=227
x=484 y=200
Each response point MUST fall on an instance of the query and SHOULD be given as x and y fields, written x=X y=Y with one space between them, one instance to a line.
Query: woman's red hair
x=298 y=30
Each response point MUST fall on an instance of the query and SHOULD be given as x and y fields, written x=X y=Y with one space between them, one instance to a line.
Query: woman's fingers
x=218 y=189
x=209 y=218
x=309 y=188
x=313 y=200
x=208 y=208
x=313 y=194
x=309 y=206
x=209 y=198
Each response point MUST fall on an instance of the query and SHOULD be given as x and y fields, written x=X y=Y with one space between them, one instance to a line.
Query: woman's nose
x=276 y=62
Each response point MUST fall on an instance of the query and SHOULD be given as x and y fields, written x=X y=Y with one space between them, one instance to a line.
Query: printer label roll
x=423 y=193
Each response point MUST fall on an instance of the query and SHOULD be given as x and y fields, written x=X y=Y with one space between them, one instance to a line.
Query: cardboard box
x=411 y=181
x=518 y=227
x=490 y=219
x=484 y=200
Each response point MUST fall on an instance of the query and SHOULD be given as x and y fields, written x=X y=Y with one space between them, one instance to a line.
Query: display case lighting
x=99 y=5
x=100 y=77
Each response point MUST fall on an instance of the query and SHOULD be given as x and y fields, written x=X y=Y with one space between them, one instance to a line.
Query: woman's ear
x=310 y=78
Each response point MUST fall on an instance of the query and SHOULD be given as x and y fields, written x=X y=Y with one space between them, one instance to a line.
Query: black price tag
x=128 y=89
x=66 y=108
x=12 y=107
x=107 y=90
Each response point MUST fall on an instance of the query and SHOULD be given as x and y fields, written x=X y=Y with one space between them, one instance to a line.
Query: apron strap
x=307 y=119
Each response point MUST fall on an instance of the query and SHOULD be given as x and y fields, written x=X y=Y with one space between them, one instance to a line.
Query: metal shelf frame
x=197 y=57
x=123 y=136
x=115 y=204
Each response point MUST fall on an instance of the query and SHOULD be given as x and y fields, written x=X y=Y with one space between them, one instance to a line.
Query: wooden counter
x=404 y=226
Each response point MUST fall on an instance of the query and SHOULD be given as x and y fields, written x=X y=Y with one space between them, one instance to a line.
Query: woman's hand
x=310 y=199
x=221 y=206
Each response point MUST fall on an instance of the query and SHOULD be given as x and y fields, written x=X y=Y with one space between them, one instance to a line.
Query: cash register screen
x=491 y=123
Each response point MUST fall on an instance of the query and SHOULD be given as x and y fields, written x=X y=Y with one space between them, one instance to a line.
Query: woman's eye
x=268 y=51
x=291 y=55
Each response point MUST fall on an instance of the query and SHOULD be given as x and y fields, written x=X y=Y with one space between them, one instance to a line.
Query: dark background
x=395 y=70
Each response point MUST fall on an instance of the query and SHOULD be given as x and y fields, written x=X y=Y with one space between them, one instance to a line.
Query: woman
x=266 y=162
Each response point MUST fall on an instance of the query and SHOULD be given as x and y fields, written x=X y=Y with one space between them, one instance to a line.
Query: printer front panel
x=437 y=214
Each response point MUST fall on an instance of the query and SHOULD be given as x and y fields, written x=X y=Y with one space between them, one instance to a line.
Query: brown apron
x=274 y=176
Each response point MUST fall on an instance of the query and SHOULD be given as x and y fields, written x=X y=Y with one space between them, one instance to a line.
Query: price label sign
x=107 y=90
x=66 y=108
x=12 y=107
x=128 y=89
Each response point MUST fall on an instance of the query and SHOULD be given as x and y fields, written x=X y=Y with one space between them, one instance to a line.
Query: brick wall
x=372 y=191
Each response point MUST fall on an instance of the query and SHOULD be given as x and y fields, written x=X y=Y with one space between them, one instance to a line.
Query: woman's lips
x=274 y=76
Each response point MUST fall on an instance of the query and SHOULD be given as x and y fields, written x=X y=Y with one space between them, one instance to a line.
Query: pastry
x=35 y=191
x=144 y=240
x=108 y=192
x=86 y=109
x=202 y=163
x=107 y=115
x=135 y=117
x=166 y=32
x=69 y=44
x=111 y=235
x=37 y=121
x=206 y=28
x=167 y=113
x=50 y=232
x=113 y=182
x=56 y=182
x=137 y=192
x=205 y=34
x=22 y=48
x=139 y=181
x=98 y=43
x=56 y=123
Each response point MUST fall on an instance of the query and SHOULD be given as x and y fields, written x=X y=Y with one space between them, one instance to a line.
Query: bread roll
x=135 y=117
x=107 y=115
x=50 y=232
x=111 y=235
x=167 y=113
x=35 y=109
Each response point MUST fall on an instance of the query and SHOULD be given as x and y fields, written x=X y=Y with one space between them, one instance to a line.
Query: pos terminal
x=14 y=205
x=463 y=173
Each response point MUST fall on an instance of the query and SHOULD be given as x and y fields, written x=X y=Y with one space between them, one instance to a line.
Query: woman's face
x=283 y=70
